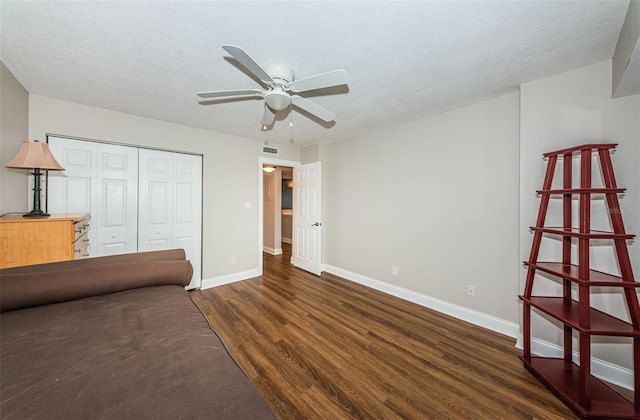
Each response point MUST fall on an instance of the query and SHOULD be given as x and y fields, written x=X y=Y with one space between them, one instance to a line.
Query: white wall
x=14 y=129
x=567 y=110
x=230 y=165
x=438 y=198
x=310 y=154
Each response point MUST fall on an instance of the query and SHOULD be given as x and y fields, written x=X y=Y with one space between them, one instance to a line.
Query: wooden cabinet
x=27 y=241
x=573 y=382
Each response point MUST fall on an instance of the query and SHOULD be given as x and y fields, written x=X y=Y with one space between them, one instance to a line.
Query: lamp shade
x=33 y=154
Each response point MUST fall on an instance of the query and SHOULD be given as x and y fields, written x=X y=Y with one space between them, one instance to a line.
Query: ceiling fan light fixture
x=277 y=100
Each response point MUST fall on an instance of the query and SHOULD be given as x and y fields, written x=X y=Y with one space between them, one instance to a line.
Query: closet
x=139 y=199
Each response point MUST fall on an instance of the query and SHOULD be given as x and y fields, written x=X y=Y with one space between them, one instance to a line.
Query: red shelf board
x=571 y=272
x=563 y=379
x=567 y=311
x=571 y=150
x=574 y=232
x=583 y=190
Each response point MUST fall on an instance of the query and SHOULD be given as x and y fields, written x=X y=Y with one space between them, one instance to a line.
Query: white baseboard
x=490 y=322
x=229 y=278
x=601 y=369
x=272 y=251
x=287 y=240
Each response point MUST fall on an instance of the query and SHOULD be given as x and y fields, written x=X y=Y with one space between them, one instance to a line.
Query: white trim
x=272 y=251
x=601 y=369
x=229 y=278
x=478 y=318
x=262 y=160
x=287 y=240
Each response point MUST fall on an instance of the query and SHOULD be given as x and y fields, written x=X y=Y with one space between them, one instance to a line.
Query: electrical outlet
x=394 y=270
x=471 y=290
x=234 y=260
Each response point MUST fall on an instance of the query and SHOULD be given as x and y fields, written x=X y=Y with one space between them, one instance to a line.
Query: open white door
x=307 y=222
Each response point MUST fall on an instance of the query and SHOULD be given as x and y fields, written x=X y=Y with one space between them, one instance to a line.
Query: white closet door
x=116 y=222
x=154 y=203
x=74 y=190
x=139 y=199
x=187 y=232
x=170 y=203
x=100 y=179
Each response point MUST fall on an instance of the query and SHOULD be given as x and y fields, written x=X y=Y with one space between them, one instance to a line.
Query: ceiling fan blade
x=248 y=62
x=320 y=81
x=312 y=108
x=269 y=116
x=223 y=93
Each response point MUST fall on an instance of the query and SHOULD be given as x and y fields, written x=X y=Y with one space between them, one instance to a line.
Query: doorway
x=277 y=208
x=273 y=246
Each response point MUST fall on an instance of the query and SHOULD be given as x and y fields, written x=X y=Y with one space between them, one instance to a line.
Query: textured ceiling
x=406 y=60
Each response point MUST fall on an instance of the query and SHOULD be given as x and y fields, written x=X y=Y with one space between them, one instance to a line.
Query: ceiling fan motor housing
x=276 y=97
x=280 y=73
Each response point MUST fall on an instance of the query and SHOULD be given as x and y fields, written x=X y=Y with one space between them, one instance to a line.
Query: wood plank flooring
x=327 y=348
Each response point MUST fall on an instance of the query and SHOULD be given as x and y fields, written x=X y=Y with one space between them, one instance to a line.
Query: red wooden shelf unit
x=573 y=383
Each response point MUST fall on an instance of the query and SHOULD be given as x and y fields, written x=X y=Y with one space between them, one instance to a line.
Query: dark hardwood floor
x=327 y=348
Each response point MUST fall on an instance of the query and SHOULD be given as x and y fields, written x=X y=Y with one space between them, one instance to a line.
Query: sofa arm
x=167 y=254
x=32 y=288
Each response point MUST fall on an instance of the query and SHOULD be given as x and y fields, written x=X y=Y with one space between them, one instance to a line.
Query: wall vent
x=269 y=149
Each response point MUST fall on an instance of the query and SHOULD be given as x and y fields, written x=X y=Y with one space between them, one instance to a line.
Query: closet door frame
x=196 y=259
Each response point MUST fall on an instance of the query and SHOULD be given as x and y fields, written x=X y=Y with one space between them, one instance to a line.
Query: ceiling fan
x=279 y=81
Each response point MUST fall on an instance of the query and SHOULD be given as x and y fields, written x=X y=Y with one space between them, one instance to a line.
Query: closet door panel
x=117 y=222
x=188 y=210
x=170 y=203
x=74 y=190
x=155 y=201
x=100 y=179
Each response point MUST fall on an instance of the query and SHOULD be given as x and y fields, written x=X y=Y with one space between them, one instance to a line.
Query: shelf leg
x=622 y=252
x=526 y=332
x=542 y=215
x=566 y=209
x=585 y=371
x=567 y=180
x=568 y=344
x=636 y=377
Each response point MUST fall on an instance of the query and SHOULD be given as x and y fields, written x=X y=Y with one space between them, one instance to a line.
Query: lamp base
x=36 y=213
